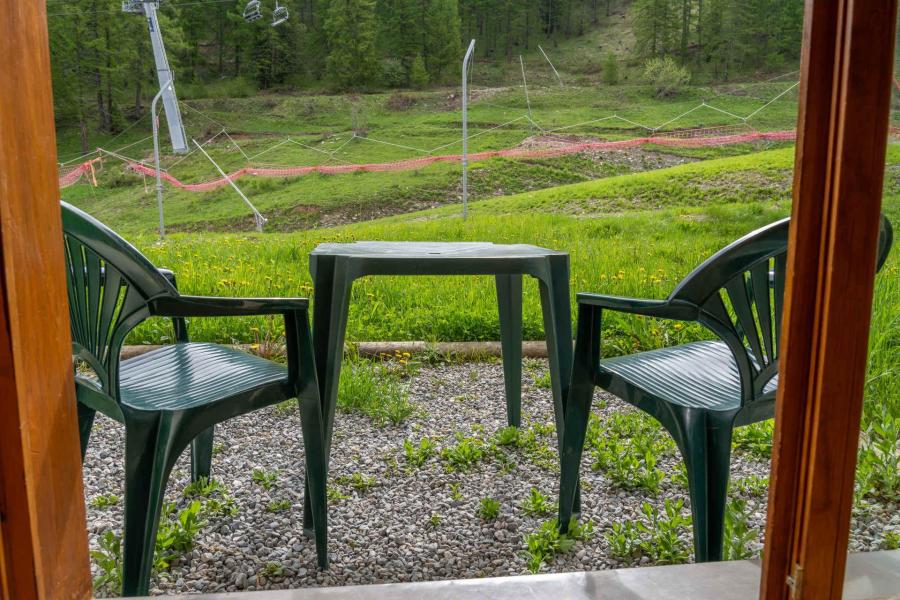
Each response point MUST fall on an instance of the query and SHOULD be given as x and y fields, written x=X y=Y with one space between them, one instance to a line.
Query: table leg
x=509 y=300
x=557 y=312
x=331 y=303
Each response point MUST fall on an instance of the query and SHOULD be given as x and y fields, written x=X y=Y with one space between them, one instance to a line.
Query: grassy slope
x=326 y=123
x=632 y=251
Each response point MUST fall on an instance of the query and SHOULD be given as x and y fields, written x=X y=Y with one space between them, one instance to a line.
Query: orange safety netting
x=716 y=136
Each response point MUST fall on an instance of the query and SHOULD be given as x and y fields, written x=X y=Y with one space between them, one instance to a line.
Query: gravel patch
x=387 y=533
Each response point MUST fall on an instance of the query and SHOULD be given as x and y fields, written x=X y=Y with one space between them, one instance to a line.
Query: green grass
x=324 y=124
x=634 y=235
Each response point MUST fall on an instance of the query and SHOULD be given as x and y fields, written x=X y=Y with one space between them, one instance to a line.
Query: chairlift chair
x=251 y=11
x=279 y=15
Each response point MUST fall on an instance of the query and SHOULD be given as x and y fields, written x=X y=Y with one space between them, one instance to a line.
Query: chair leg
x=707 y=456
x=86 y=416
x=315 y=498
x=201 y=454
x=509 y=302
x=147 y=464
x=578 y=412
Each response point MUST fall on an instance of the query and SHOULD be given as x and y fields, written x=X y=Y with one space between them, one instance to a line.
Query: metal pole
x=525 y=85
x=164 y=73
x=260 y=220
x=555 y=72
x=159 y=199
x=465 y=129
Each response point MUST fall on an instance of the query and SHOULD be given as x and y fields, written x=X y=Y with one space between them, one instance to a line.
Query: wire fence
x=707 y=136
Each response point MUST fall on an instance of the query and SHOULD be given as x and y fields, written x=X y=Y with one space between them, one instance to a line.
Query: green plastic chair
x=174 y=396
x=698 y=391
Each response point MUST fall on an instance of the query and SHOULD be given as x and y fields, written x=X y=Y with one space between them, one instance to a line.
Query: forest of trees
x=104 y=73
x=720 y=37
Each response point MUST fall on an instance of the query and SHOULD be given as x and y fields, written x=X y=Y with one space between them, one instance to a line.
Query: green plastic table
x=334 y=267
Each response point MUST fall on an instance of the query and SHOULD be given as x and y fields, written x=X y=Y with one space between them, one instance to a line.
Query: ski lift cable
x=85 y=12
x=117 y=136
x=748 y=117
x=177 y=162
x=325 y=152
x=270 y=148
x=241 y=150
x=202 y=114
x=79 y=158
x=257 y=216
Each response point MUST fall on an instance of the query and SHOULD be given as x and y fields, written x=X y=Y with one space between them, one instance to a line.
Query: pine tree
x=418 y=76
x=350 y=30
x=442 y=48
x=610 y=69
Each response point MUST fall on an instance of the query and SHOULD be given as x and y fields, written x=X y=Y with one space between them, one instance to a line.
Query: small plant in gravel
x=547 y=541
x=878 y=464
x=543 y=381
x=357 y=481
x=623 y=539
x=626 y=448
x=752 y=485
x=279 y=505
x=336 y=495
x=174 y=537
x=104 y=501
x=455 y=494
x=755 y=439
x=266 y=479
x=508 y=436
x=891 y=540
x=662 y=532
x=203 y=488
x=416 y=455
x=287 y=407
x=537 y=504
x=272 y=569
x=738 y=534
x=176 y=533
x=375 y=390
x=488 y=509
x=434 y=521
x=109 y=563
x=464 y=455
x=218 y=449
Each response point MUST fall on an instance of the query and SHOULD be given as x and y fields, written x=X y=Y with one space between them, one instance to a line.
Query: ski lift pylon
x=251 y=11
x=279 y=15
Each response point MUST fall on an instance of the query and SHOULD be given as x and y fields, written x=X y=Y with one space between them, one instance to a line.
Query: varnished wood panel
x=44 y=536
x=842 y=132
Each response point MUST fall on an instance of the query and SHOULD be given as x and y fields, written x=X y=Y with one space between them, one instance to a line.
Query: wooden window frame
x=847 y=65
x=842 y=133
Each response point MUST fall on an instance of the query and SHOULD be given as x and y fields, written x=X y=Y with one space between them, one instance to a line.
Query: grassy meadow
x=395 y=126
x=632 y=235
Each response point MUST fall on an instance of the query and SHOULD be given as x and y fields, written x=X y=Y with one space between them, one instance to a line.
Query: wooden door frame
x=847 y=67
x=42 y=520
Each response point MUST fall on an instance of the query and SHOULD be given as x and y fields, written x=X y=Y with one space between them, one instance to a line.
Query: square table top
x=434 y=250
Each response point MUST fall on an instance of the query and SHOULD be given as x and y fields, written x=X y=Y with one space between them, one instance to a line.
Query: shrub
x=392 y=73
x=418 y=76
x=666 y=76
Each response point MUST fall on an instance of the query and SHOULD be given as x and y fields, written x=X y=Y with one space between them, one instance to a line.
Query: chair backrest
x=110 y=284
x=740 y=293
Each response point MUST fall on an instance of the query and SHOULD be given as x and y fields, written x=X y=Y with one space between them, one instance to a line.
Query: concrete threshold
x=869 y=576
x=455 y=350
